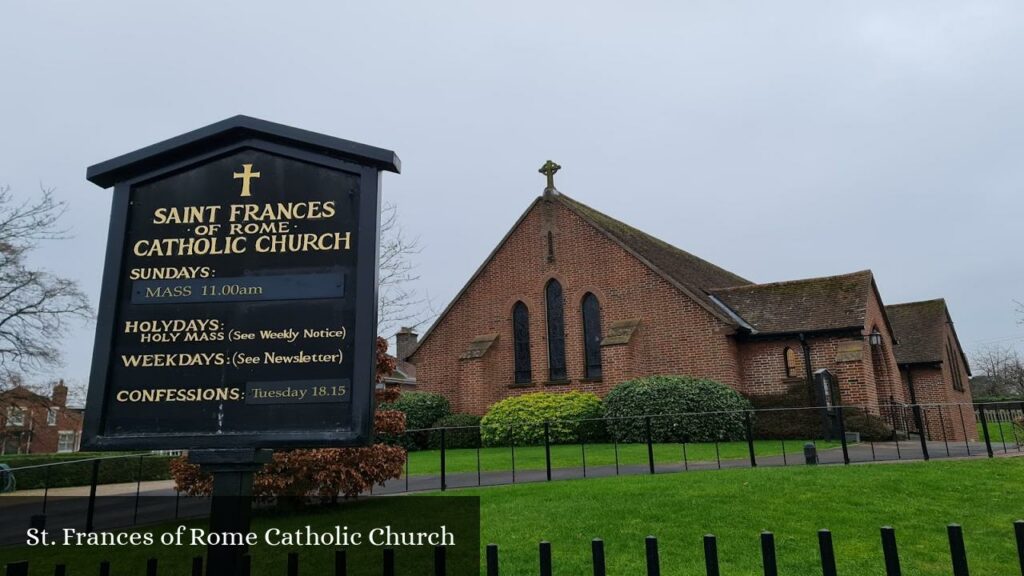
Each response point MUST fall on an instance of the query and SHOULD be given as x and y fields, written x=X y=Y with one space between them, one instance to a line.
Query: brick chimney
x=60 y=394
x=405 y=341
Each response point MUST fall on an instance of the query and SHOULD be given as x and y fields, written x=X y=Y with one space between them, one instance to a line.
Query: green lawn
x=1000 y=432
x=428 y=462
x=918 y=499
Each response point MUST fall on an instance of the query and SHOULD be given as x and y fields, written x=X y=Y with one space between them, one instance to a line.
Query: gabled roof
x=24 y=394
x=692 y=274
x=921 y=329
x=687 y=272
x=808 y=305
x=230 y=131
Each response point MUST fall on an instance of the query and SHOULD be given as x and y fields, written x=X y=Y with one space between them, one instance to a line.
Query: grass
x=919 y=499
x=428 y=462
x=1000 y=432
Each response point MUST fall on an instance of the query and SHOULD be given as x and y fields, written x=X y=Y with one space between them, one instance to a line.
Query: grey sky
x=779 y=140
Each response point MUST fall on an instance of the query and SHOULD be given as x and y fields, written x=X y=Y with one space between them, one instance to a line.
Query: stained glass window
x=521 y=341
x=556 y=331
x=592 y=335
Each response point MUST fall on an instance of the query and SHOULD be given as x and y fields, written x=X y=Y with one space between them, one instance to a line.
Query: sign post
x=238 y=308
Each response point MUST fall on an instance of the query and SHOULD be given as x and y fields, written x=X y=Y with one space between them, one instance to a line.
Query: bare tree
x=1001 y=372
x=398 y=302
x=35 y=305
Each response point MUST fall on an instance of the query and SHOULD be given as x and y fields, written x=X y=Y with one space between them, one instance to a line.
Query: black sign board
x=239 y=297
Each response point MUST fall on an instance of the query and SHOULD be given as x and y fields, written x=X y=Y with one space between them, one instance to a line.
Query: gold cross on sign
x=548 y=169
x=246 y=175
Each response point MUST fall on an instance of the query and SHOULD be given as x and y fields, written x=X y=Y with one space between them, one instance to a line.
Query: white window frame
x=51 y=416
x=15 y=416
x=61 y=436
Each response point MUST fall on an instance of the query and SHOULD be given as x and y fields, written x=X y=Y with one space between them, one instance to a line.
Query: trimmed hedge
x=627 y=405
x=572 y=417
x=112 y=470
x=421 y=410
x=463 y=432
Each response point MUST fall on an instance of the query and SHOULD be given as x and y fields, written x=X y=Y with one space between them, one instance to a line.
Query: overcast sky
x=779 y=140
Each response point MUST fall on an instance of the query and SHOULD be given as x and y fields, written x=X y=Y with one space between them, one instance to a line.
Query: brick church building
x=573 y=299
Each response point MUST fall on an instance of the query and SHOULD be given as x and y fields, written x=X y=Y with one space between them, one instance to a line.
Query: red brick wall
x=947 y=415
x=675 y=336
x=36 y=436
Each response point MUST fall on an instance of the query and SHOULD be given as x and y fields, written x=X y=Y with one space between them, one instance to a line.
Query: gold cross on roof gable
x=548 y=169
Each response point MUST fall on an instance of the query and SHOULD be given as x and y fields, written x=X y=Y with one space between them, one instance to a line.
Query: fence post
x=957 y=551
x=444 y=480
x=138 y=492
x=17 y=569
x=340 y=563
x=919 y=417
x=197 y=566
x=440 y=561
x=768 y=554
x=151 y=567
x=46 y=487
x=653 y=561
x=750 y=438
x=492 y=560
x=842 y=434
x=293 y=564
x=545 y=558
x=650 y=444
x=547 y=449
x=105 y=568
x=892 y=557
x=245 y=565
x=60 y=570
x=91 y=512
x=984 y=428
x=828 y=555
x=1018 y=531
x=597 y=554
x=711 y=555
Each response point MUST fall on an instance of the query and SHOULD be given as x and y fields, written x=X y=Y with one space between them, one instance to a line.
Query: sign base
x=231 y=507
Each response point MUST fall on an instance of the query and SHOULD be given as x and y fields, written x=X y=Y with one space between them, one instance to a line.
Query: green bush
x=421 y=410
x=463 y=431
x=627 y=405
x=572 y=417
x=65 y=471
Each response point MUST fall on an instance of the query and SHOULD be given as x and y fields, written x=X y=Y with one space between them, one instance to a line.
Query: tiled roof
x=695 y=274
x=920 y=329
x=814 y=304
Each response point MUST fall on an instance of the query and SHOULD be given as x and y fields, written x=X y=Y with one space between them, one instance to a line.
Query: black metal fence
x=456 y=457
x=769 y=557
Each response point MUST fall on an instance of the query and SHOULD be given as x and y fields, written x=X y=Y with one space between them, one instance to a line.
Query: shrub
x=628 y=403
x=324 y=474
x=463 y=431
x=65 y=470
x=521 y=419
x=421 y=410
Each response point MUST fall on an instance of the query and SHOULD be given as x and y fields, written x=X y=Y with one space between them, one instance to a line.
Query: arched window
x=592 y=335
x=556 y=331
x=521 y=342
x=792 y=362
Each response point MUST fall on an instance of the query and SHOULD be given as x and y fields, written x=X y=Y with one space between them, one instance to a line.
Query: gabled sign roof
x=226 y=132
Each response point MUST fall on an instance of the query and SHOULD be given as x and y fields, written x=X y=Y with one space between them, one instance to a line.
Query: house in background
x=31 y=423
